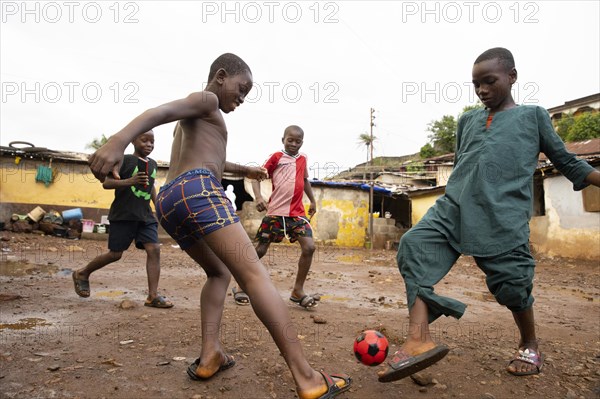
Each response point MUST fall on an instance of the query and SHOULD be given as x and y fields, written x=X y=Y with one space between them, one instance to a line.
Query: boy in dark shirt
x=131 y=218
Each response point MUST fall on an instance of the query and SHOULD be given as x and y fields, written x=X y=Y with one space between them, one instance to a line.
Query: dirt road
x=55 y=344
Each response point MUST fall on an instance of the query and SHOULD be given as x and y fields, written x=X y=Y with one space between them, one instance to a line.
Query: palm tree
x=97 y=143
x=367 y=140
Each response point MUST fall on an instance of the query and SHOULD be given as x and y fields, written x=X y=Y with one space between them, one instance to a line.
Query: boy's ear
x=221 y=75
x=513 y=75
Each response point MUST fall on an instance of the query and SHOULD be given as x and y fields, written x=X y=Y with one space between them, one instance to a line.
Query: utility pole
x=371 y=183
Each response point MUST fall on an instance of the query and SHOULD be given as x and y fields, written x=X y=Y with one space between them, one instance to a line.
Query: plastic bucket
x=72 y=214
x=36 y=214
x=87 y=225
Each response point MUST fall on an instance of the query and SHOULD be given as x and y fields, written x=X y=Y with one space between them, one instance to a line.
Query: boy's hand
x=257 y=173
x=141 y=179
x=312 y=209
x=261 y=205
x=107 y=159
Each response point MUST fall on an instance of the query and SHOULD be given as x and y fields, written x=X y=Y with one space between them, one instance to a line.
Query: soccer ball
x=371 y=347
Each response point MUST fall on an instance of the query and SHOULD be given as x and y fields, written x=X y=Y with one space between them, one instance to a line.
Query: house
x=54 y=180
x=576 y=107
x=566 y=222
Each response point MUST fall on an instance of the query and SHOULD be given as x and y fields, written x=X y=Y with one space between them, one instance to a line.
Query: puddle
x=109 y=294
x=19 y=269
x=350 y=259
x=25 y=324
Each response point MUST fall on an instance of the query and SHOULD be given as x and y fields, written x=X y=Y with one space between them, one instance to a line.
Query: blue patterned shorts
x=193 y=205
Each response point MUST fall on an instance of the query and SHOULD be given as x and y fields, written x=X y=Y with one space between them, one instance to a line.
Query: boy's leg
x=212 y=300
x=509 y=278
x=98 y=263
x=147 y=238
x=307 y=248
x=526 y=325
x=119 y=238
x=153 y=272
x=262 y=248
x=239 y=296
x=152 y=268
x=81 y=277
x=424 y=258
x=232 y=245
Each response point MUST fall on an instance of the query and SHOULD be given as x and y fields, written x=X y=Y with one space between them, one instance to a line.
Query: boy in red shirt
x=285 y=212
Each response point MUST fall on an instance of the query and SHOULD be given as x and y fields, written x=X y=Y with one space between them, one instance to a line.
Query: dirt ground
x=54 y=344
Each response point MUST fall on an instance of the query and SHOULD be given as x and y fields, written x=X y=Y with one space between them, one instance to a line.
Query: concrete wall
x=341 y=218
x=566 y=229
x=420 y=205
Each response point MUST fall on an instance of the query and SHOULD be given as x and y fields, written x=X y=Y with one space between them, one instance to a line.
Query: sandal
x=240 y=297
x=158 y=302
x=82 y=287
x=307 y=301
x=191 y=370
x=528 y=356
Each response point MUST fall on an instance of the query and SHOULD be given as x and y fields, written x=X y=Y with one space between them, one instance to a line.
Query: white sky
x=74 y=70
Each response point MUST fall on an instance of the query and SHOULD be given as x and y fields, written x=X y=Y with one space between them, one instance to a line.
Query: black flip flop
x=402 y=364
x=191 y=370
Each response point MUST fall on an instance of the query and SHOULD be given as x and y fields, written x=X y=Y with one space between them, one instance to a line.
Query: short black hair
x=293 y=127
x=503 y=55
x=231 y=63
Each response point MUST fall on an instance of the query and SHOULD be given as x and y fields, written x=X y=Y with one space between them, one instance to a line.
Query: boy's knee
x=115 y=255
x=261 y=250
x=308 y=249
x=153 y=250
x=514 y=298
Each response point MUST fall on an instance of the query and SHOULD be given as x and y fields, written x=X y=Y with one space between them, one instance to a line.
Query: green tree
x=97 y=143
x=427 y=151
x=442 y=139
x=443 y=134
x=585 y=126
x=563 y=125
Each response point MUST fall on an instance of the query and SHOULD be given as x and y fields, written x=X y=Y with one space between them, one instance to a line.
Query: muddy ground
x=54 y=344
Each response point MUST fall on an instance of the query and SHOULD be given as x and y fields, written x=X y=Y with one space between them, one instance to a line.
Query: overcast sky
x=74 y=70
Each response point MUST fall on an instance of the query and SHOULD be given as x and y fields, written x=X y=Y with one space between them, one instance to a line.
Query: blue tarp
x=361 y=186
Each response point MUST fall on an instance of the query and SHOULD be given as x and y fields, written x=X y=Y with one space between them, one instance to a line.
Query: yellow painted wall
x=421 y=204
x=352 y=223
x=73 y=186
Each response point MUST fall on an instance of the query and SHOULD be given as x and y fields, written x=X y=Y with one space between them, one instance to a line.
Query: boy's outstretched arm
x=593 y=178
x=251 y=172
x=110 y=156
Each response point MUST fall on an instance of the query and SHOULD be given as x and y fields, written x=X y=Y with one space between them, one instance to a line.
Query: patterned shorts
x=193 y=205
x=275 y=228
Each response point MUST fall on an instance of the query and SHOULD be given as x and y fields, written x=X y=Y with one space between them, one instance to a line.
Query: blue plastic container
x=72 y=214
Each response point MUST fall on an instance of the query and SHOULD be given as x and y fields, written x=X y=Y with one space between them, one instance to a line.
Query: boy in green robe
x=484 y=213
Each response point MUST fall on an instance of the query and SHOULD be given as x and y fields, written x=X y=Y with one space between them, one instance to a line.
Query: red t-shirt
x=287 y=173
